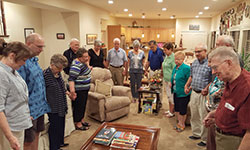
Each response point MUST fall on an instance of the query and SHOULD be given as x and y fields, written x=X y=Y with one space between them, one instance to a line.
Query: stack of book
x=149 y=104
x=125 y=140
x=105 y=136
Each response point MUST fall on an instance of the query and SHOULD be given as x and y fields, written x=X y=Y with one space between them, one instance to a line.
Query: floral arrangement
x=155 y=82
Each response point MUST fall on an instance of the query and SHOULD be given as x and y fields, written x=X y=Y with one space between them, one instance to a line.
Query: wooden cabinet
x=115 y=31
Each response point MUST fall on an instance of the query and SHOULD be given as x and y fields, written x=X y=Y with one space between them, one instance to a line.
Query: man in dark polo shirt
x=232 y=117
x=155 y=58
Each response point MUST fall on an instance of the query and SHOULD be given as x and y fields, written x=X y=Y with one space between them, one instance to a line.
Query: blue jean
x=135 y=83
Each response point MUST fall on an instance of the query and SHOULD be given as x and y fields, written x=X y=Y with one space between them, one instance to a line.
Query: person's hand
x=145 y=72
x=204 y=92
x=170 y=85
x=72 y=96
x=187 y=89
x=208 y=120
x=90 y=67
x=14 y=143
x=124 y=73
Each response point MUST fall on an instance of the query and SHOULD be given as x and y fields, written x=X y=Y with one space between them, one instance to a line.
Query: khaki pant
x=198 y=113
x=227 y=142
x=117 y=75
x=4 y=143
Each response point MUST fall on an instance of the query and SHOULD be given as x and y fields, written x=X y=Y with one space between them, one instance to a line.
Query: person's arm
x=244 y=145
x=204 y=91
x=14 y=143
x=187 y=87
x=72 y=77
x=146 y=67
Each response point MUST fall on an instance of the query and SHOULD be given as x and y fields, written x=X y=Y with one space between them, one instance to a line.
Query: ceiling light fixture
x=158 y=34
x=172 y=17
x=196 y=16
x=111 y=2
x=159 y=1
x=143 y=17
x=200 y=13
x=164 y=9
x=206 y=7
x=125 y=9
x=130 y=15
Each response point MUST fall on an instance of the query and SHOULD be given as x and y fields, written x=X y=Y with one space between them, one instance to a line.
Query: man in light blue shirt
x=117 y=59
x=33 y=76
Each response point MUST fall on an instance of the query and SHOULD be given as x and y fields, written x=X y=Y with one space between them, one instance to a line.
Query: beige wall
x=192 y=38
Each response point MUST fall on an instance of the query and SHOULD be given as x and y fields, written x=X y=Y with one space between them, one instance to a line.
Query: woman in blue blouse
x=136 y=61
x=180 y=75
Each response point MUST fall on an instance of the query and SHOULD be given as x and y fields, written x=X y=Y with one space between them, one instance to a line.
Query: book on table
x=105 y=136
x=124 y=140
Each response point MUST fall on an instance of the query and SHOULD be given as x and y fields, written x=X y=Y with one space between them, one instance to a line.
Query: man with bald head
x=198 y=82
x=32 y=74
x=70 y=53
x=227 y=40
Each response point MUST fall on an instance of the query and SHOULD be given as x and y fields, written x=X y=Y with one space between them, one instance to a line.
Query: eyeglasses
x=199 y=51
x=39 y=46
x=215 y=67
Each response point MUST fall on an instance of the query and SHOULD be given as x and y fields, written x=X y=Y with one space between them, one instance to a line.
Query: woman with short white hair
x=135 y=60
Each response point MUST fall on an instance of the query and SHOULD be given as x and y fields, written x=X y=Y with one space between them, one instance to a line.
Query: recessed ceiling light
x=215 y=0
x=200 y=13
x=159 y=1
x=206 y=8
x=130 y=15
x=196 y=16
x=110 y=1
x=164 y=9
x=125 y=9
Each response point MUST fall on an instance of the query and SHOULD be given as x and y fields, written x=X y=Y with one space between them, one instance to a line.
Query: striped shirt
x=55 y=93
x=201 y=74
x=80 y=74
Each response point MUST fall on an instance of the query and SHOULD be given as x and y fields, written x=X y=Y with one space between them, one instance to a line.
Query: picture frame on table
x=60 y=36
x=90 y=39
x=28 y=31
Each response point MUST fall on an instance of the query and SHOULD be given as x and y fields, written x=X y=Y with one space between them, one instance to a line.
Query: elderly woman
x=96 y=55
x=167 y=68
x=56 y=97
x=14 y=109
x=79 y=84
x=180 y=75
x=135 y=61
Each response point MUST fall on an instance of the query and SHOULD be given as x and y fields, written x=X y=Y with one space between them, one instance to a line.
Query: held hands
x=187 y=89
x=14 y=143
x=204 y=91
x=72 y=95
x=209 y=120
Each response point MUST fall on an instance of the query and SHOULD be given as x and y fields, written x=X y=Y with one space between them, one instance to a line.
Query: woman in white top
x=14 y=109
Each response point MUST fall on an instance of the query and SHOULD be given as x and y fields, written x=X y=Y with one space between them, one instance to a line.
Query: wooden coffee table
x=149 y=136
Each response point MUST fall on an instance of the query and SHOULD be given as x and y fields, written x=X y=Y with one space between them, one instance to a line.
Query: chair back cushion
x=101 y=74
x=103 y=88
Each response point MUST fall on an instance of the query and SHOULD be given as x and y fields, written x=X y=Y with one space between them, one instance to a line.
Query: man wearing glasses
x=231 y=118
x=32 y=74
x=198 y=82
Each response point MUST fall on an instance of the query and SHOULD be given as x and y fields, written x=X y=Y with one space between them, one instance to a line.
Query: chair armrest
x=96 y=96
x=121 y=91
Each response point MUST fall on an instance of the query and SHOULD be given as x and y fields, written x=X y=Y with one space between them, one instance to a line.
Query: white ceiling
x=179 y=8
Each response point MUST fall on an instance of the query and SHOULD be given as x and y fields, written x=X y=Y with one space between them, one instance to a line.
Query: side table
x=142 y=91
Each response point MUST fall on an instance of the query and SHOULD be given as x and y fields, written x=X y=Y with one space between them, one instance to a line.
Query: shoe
x=86 y=124
x=170 y=115
x=194 y=137
x=64 y=145
x=180 y=129
x=83 y=128
x=202 y=144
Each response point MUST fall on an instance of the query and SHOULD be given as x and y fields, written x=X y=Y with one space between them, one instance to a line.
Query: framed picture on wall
x=28 y=31
x=60 y=36
x=90 y=38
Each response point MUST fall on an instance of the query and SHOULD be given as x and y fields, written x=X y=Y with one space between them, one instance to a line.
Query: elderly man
x=155 y=58
x=227 y=40
x=33 y=76
x=70 y=53
x=117 y=59
x=232 y=115
x=199 y=80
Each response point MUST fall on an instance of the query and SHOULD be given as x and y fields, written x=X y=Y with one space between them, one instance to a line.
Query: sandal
x=86 y=124
x=170 y=115
x=82 y=128
x=179 y=128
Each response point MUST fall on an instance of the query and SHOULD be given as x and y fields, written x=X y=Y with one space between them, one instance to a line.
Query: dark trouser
x=211 y=145
x=56 y=131
x=135 y=83
x=79 y=105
